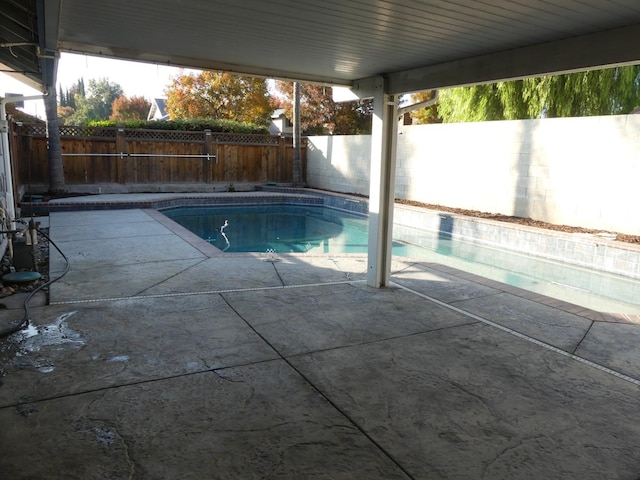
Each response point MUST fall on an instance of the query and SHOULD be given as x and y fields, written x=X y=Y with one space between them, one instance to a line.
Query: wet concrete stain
x=119 y=358
x=104 y=436
x=27 y=348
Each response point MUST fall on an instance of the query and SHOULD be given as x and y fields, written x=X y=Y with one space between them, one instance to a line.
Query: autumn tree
x=125 y=108
x=320 y=114
x=426 y=114
x=220 y=96
x=596 y=92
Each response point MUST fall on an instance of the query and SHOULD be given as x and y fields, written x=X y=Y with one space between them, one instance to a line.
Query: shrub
x=193 y=125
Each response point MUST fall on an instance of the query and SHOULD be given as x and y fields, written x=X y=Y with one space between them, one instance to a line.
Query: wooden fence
x=94 y=155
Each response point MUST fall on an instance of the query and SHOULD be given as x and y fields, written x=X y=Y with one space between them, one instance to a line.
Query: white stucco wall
x=574 y=171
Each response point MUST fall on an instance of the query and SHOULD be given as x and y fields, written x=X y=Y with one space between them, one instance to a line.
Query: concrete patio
x=160 y=358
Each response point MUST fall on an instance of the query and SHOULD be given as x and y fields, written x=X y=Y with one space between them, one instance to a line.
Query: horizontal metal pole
x=92 y=154
x=134 y=155
x=166 y=155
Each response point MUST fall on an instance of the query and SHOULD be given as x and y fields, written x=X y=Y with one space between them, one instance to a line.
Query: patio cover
x=379 y=49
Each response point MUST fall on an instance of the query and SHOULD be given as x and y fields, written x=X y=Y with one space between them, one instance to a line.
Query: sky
x=136 y=79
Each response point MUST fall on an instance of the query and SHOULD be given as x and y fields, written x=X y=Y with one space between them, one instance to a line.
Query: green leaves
x=610 y=91
x=193 y=125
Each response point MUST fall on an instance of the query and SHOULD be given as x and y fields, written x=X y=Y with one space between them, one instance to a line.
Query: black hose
x=25 y=320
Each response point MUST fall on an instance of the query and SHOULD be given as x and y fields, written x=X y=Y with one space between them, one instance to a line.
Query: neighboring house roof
x=280 y=124
x=158 y=110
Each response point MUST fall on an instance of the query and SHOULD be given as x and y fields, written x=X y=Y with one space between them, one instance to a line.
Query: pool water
x=281 y=229
x=315 y=229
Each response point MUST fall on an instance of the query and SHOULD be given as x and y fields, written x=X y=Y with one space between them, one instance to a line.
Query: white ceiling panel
x=415 y=43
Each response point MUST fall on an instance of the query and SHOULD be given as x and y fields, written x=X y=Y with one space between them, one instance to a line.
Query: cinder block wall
x=339 y=163
x=573 y=171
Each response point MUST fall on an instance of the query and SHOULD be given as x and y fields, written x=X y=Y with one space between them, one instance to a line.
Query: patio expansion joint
x=140 y=293
x=349 y=418
x=205 y=292
x=385 y=339
x=575 y=349
x=275 y=269
x=527 y=338
x=34 y=401
x=206 y=370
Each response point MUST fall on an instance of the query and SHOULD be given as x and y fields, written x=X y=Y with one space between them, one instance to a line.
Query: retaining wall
x=569 y=171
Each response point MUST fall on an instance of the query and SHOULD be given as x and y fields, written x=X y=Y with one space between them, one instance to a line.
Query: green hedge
x=193 y=125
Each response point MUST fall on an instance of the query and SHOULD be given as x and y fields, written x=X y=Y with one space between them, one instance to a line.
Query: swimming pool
x=317 y=229
x=281 y=228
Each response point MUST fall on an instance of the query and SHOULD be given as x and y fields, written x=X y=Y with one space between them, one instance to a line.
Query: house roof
x=414 y=44
x=158 y=105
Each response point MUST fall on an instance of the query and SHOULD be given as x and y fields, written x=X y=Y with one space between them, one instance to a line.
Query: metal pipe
x=415 y=106
x=167 y=155
x=207 y=156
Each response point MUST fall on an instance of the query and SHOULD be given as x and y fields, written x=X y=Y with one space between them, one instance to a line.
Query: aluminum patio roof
x=415 y=44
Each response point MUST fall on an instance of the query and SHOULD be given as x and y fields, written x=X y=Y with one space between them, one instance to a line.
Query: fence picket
x=120 y=155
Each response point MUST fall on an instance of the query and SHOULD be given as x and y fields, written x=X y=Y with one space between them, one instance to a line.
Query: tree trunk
x=297 y=160
x=54 y=151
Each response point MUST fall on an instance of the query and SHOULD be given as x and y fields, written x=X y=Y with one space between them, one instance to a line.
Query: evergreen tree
x=62 y=100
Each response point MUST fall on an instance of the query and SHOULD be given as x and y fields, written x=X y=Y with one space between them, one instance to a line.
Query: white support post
x=384 y=133
x=6 y=176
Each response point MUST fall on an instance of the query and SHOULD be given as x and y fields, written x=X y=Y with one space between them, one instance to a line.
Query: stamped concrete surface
x=155 y=359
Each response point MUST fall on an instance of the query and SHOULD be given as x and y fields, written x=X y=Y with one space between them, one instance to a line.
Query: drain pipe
x=416 y=106
x=4 y=150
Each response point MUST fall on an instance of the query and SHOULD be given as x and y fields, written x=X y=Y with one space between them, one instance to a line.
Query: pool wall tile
x=589 y=251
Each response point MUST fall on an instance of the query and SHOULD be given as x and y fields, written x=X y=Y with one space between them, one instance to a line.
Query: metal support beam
x=384 y=133
x=597 y=50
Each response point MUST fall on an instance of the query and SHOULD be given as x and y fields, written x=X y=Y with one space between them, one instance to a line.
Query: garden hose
x=25 y=319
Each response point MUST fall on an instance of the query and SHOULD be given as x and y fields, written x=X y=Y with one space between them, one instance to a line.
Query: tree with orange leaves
x=125 y=108
x=220 y=96
x=320 y=115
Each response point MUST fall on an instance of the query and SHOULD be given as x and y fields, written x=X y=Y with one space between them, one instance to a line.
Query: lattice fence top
x=186 y=136
x=37 y=130
x=101 y=132
x=245 y=138
x=159 y=135
x=163 y=135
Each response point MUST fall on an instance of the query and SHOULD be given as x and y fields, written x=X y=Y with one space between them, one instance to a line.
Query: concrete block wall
x=572 y=171
x=339 y=163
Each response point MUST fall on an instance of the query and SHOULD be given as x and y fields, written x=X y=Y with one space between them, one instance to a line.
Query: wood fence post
x=207 y=170
x=121 y=150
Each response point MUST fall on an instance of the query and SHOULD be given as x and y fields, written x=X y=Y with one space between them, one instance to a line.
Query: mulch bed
x=621 y=237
